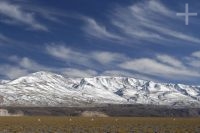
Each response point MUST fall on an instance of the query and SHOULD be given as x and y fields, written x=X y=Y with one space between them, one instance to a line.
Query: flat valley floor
x=46 y=124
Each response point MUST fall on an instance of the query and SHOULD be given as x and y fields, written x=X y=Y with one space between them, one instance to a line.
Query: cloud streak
x=5 y=39
x=138 y=24
x=88 y=59
x=15 y=14
x=12 y=72
x=163 y=66
x=23 y=66
x=196 y=54
x=94 y=29
x=159 y=67
x=149 y=23
x=78 y=73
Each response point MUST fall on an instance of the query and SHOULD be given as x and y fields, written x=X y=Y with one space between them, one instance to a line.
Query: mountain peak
x=4 y=81
x=40 y=76
x=50 y=89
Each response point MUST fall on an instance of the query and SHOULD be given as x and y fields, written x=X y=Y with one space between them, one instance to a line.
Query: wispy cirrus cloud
x=194 y=63
x=163 y=66
x=159 y=67
x=78 y=73
x=169 y=60
x=5 y=39
x=110 y=63
x=194 y=60
x=14 y=14
x=149 y=23
x=24 y=66
x=28 y=64
x=105 y=57
x=20 y=66
x=94 y=29
x=12 y=72
x=60 y=51
x=122 y=73
x=196 y=54
x=153 y=24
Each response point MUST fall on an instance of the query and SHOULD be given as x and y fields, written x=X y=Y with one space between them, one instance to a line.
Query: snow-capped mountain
x=49 y=89
x=4 y=81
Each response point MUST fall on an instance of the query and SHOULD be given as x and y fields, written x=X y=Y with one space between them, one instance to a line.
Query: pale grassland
x=98 y=125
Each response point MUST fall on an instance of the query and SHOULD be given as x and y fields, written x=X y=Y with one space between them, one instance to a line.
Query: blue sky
x=84 y=38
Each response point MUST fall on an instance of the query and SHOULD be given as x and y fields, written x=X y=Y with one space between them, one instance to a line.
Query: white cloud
x=17 y=14
x=170 y=61
x=159 y=8
x=94 y=29
x=4 y=38
x=72 y=72
x=24 y=68
x=28 y=64
x=25 y=65
x=193 y=60
x=160 y=67
x=194 y=63
x=121 y=73
x=117 y=73
x=12 y=72
x=173 y=33
x=155 y=68
x=149 y=23
x=49 y=13
x=20 y=67
x=59 y=51
x=82 y=57
x=108 y=57
x=196 y=54
x=163 y=66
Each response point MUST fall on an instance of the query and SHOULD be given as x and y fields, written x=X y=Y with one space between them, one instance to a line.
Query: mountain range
x=50 y=89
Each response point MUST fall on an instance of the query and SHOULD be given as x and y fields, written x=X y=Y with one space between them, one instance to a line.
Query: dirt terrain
x=99 y=125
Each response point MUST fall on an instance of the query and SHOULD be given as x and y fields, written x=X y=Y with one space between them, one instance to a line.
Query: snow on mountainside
x=4 y=81
x=49 y=89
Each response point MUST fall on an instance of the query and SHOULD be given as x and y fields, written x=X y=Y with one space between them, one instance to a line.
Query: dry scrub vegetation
x=98 y=125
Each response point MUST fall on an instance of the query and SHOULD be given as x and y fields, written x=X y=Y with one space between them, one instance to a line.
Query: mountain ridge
x=50 y=89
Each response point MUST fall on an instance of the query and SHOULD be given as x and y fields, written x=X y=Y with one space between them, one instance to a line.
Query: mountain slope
x=4 y=81
x=49 y=89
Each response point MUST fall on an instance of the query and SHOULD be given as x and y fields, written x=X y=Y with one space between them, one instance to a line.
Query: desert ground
x=46 y=124
x=105 y=119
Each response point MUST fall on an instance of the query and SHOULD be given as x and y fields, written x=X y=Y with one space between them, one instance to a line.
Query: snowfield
x=49 y=89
